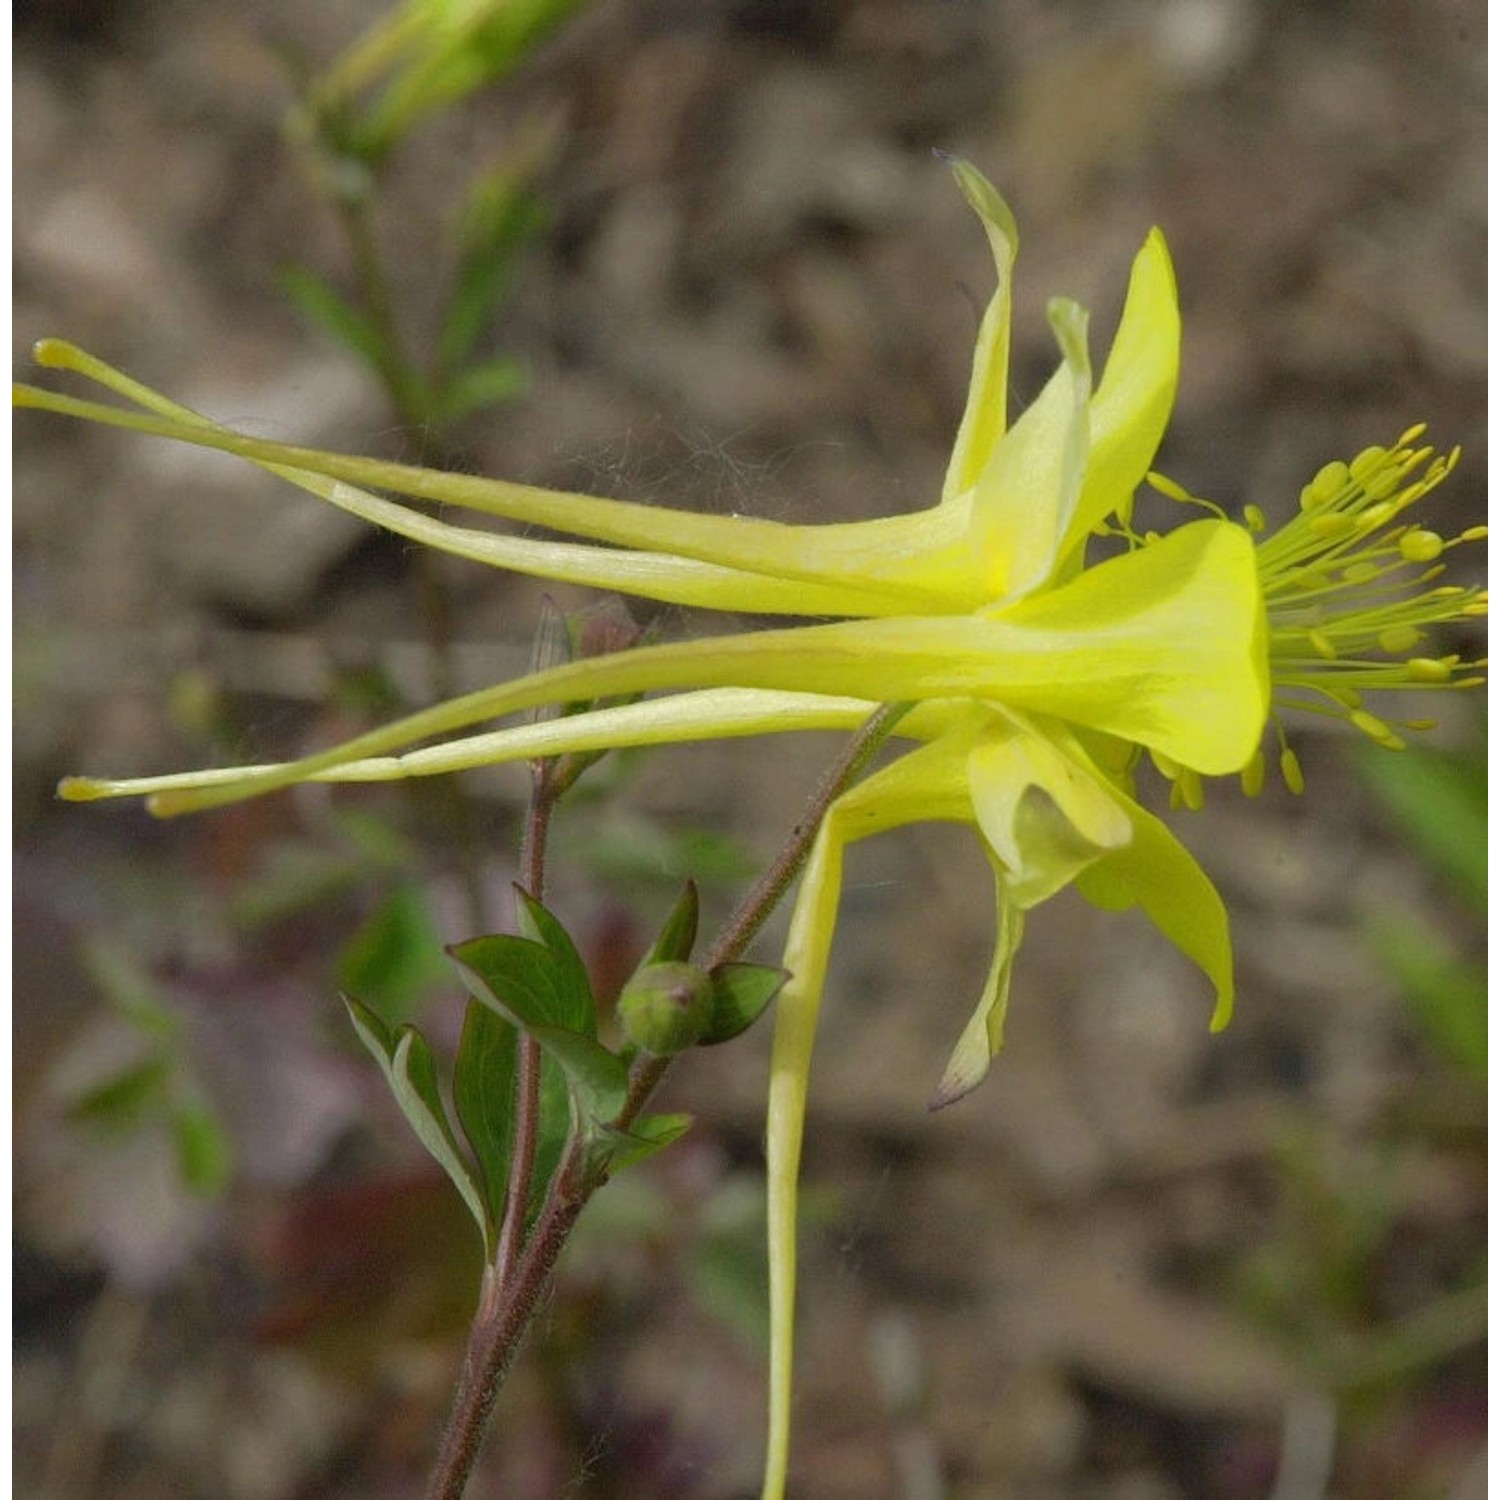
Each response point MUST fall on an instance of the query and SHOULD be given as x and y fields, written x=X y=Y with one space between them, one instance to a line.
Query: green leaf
x=451 y=52
x=499 y=216
x=647 y=1136
x=396 y=956
x=1448 y=998
x=406 y=1060
x=538 y=924
x=484 y=1097
x=674 y=943
x=527 y=982
x=126 y=1098
x=598 y=1078
x=492 y=383
x=203 y=1153
x=740 y=993
x=132 y=991
x=544 y=990
x=554 y=1129
x=328 y=310
x=1441 y=800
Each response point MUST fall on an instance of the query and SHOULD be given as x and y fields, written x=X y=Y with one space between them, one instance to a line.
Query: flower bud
x=666 y=1007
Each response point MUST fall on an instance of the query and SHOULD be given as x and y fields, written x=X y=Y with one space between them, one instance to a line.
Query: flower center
x=1351 y=592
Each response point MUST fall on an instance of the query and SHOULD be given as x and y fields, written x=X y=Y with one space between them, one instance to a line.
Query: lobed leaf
x=542 y=987
x=538 y=924
x=484 y=1098
x=406 y=1060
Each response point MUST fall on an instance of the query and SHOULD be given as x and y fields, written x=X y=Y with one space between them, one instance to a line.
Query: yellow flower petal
x=1158 y=646
x=721 y=562
x=1130 y=410
x=1026 y=496
x=979 y=1042
x=927 y=783
x=712 y=714
x=1154 y=871
x=1044 y=816
x=983 y=423
x=1164 y=646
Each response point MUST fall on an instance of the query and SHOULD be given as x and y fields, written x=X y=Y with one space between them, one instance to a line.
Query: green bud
x=666 y=1007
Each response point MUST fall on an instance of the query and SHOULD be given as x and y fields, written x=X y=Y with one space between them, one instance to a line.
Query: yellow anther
x=1291 y=771
x=1421 y=546
x=1255 y=520
x=1397 y=639
x=1333 y=524
x=1474 y=534
x=1367 y=462
x=1377 y=729
x=1428 y=669
x=1166 y=767
x=1253 y=777
x=1351 y=588
x=1325 y=485
x=1168 y=487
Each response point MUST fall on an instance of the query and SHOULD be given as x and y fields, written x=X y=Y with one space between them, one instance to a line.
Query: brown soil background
x=757 y=292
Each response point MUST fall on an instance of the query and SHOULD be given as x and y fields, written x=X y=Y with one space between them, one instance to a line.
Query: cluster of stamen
x=1351 y=592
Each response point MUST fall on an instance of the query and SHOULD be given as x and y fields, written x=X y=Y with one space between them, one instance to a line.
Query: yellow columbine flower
x=1036 y=681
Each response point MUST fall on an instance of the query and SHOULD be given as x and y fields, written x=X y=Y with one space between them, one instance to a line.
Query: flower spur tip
x=55 y=354
x=80 y=789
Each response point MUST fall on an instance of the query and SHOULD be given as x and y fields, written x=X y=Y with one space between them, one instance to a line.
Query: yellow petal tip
x=952 y=1088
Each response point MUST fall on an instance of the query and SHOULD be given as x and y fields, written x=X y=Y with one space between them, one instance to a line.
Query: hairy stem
x=528 y=1053
x=499 y=1322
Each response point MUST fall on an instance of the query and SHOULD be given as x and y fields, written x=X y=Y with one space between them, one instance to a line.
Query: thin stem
x=499 y=1323
x=528 y=1053
x=513 y=1286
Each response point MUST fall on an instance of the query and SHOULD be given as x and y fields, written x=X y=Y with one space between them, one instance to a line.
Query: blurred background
x=1142 y=1262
